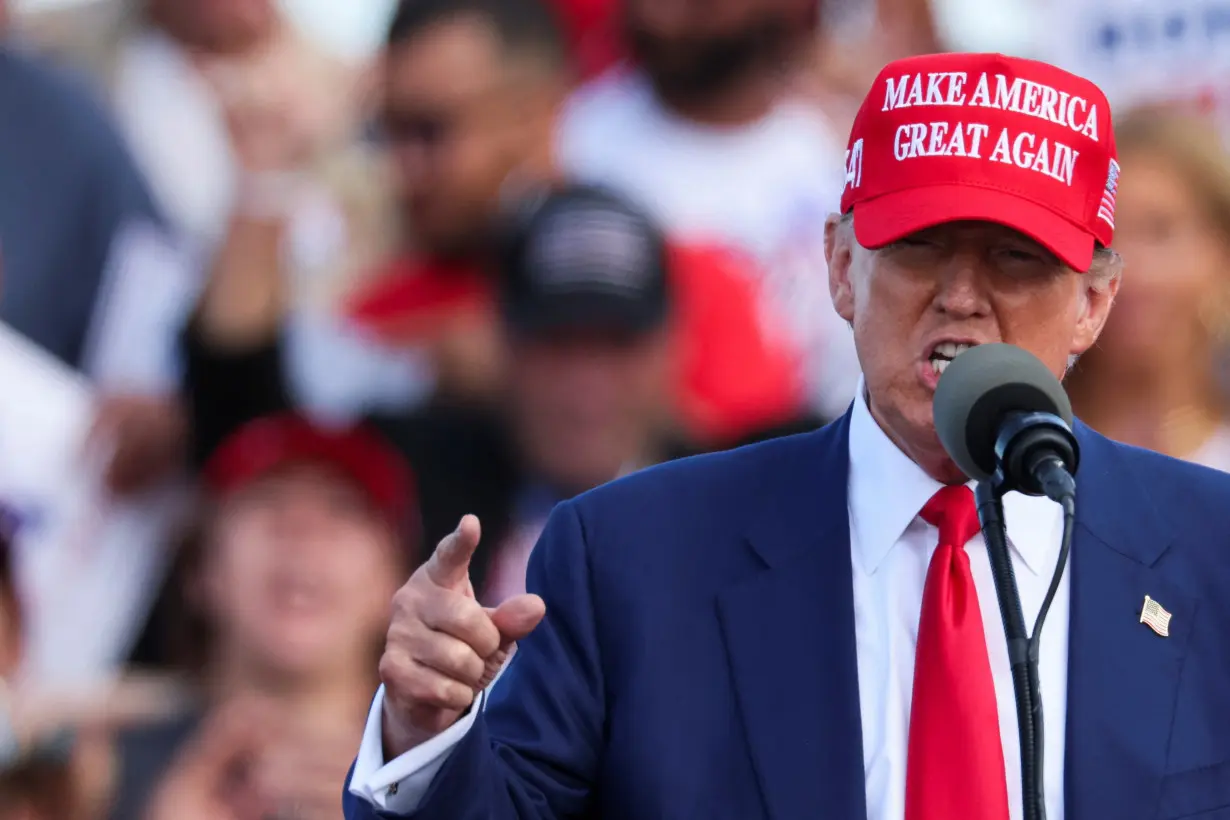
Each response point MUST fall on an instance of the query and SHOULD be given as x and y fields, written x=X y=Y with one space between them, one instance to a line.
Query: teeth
x=950 y=350
x=944 y=353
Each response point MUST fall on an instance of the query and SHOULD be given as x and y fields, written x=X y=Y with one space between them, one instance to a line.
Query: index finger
x=449 y=565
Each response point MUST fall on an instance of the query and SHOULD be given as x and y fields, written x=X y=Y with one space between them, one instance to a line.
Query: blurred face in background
x=697 y=48
x=585 y=403
x=460 y=116
x=1177 y=284
x=298 y=572
x=220 y=26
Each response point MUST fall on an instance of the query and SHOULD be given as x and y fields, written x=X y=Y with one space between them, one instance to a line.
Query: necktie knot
x=952 y=510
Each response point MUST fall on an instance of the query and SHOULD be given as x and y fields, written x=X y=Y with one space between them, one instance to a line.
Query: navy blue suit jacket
x=697 y=660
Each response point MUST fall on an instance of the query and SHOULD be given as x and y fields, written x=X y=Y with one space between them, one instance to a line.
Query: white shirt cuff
x=399 y=785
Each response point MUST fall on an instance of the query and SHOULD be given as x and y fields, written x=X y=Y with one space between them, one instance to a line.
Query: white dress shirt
x=892 y=547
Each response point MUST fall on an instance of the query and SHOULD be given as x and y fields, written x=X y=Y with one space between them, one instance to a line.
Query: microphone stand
x=989 y=497
x=1023 y=648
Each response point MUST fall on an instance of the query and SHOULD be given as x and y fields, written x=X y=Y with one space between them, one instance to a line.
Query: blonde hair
x=1191 y=146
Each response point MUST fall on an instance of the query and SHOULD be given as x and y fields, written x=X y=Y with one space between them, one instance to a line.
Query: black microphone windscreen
x=978 y=389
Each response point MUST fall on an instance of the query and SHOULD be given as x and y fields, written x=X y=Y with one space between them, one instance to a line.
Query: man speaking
x=808 y=628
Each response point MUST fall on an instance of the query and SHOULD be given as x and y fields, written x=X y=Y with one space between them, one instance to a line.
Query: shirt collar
x=887 y=491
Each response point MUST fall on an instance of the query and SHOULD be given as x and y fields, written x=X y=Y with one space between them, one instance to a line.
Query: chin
x=920 y=416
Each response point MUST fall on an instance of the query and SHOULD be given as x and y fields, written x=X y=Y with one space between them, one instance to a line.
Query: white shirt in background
x=892 y=547
x=764 y=189
x=168 y=114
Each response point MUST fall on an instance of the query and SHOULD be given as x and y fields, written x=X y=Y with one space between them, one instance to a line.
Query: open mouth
x=944 y=352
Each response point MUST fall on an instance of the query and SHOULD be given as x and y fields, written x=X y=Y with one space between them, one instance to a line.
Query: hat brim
x=893 y=216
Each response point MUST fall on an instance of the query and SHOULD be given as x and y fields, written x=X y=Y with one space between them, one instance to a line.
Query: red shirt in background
x=411 y=300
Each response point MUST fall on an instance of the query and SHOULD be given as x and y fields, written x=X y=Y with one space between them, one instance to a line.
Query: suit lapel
x=789 y=632
x=1123 y=679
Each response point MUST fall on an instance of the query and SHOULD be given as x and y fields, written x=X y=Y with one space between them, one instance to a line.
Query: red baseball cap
x=986 y=137
x=265 y=444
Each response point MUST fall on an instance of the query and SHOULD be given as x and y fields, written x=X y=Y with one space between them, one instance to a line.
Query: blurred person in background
x=471 y=94
x=468 y=89
x=80 y=234
x=282 y=604
x=196 y=86
x=857 y=39
x=584 y=315
x=178 y=73
x=1152 y=380
x=704 y=128
x=54 y=755
x=471 y=90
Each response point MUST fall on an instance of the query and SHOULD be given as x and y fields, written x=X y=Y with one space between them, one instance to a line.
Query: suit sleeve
x=533 y=752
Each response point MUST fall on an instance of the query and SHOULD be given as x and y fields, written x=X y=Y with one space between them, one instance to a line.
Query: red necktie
x=955 y=767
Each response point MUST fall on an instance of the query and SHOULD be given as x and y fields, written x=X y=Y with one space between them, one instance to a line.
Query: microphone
x=1004 y=417
x=1006 y=421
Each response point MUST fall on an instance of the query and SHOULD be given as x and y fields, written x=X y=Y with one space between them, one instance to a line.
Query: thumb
x=449 y=565
x=518 y=617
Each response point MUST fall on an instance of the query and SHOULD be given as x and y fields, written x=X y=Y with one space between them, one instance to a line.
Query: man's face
x=459 y=119
x=299 y=571
x=697 y=47
x=585 y=404
x=960 y=283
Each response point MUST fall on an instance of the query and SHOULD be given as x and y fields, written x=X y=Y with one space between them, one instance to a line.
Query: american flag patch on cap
x=1106 y=208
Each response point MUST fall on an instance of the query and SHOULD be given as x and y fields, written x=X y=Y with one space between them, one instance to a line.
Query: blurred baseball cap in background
x=583 y=258
x=265 y=445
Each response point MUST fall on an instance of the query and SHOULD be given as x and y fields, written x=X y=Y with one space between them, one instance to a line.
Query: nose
x=962 y=291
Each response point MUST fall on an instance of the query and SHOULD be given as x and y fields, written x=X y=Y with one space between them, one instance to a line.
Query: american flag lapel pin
x=1155 y=616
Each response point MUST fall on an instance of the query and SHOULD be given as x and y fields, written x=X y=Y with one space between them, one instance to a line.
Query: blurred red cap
x=266 y=444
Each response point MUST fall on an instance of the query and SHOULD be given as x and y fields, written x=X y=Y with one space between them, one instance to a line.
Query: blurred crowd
x=317 y=309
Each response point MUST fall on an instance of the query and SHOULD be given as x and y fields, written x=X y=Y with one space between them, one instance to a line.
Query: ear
x=1099 y=297
x=839 y=254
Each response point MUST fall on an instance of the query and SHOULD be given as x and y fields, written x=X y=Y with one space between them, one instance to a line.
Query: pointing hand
x=443 y=647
